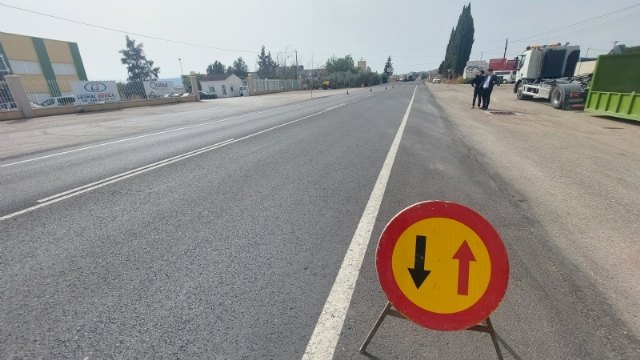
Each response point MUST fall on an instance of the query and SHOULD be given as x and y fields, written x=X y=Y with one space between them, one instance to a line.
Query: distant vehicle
x=507 y=76
x=436 y=80
x=60 y=101
x=500 y=64
x=206 y=95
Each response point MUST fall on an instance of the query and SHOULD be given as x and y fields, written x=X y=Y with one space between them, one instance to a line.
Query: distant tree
x=266 y=65
x=216 y=68
x=388 y=68
x=460 y=44
x=384 y=78
x=240 y=68
x=345 y=64
x=139 y=68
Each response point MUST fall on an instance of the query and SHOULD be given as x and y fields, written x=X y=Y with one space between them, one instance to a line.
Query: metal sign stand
x=389 y=311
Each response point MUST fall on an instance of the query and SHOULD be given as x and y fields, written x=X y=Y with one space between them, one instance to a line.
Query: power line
x=571 y=25
x=123 y=31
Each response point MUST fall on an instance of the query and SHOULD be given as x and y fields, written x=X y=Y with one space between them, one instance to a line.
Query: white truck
x=546 y=72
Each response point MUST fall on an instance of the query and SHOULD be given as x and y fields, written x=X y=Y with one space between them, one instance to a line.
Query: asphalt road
x=221 y=237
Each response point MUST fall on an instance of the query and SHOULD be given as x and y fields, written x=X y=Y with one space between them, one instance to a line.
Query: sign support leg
x=494 y=338
x=389 y=311
x=373 y=331
x=488 y=328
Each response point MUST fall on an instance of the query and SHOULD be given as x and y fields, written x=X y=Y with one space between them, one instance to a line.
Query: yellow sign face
x=453 y=260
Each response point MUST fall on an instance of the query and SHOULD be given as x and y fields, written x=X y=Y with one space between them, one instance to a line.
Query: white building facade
x=223 y=85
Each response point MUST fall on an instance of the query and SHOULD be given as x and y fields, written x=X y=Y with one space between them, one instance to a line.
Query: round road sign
x=442 y=265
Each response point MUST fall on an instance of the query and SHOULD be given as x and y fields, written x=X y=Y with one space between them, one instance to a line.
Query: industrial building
x=46 y=63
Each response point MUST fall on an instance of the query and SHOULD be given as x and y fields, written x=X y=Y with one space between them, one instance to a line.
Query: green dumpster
x=615 y=87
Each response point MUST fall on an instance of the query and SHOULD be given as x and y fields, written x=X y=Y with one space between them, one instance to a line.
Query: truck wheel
x=520 y=95
x=557 y=98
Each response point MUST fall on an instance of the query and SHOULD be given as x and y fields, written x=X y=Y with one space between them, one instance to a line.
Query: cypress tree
x=465 y=32
x=460 y=44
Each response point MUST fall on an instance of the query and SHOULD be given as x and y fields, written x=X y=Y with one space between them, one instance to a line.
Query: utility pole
x=505 y=49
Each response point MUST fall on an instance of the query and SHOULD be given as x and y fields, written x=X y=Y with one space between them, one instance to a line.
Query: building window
x=63 y=69
x=224 y=89
x=25 y=67
x=231 y=88
x=212 y=89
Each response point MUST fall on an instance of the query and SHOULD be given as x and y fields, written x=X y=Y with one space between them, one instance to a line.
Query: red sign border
x=497 y=253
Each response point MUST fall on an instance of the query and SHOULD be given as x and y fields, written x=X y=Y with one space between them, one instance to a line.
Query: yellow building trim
x=58 y=51
x=64 y=82
x=18 y=47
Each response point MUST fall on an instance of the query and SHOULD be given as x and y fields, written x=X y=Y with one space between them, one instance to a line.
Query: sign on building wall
x=158 y=88
x=88 y=92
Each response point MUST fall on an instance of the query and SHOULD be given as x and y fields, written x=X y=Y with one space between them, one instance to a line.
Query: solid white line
x=114 y=179
x=143 y=136
x=125 y=175
x=137 y=170
x=122 y=140
x=325 y=336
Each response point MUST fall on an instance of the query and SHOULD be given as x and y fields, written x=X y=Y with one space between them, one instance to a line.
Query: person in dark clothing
x=487 y=88
x=477 y=89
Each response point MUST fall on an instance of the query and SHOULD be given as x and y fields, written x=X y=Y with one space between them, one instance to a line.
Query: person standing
x=487 y=88
x=477 y=89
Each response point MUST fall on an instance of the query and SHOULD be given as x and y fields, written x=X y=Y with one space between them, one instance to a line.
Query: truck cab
x=547 y=72
x=547 y=62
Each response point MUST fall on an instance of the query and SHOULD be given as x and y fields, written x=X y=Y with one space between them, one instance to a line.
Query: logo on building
x=95 y=87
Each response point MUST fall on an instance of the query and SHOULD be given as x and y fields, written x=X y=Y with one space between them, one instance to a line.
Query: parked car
x=436 y=80
x=60 y=101
x=206 y=95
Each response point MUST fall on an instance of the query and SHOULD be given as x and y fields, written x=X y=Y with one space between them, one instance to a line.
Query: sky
x=414 y=33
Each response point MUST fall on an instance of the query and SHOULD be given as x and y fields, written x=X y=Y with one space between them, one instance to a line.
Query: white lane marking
x=83 y=189
x=137 y=170
x=325 y=336
x=123 y=140
x=337 y=106
x=143 y=136
x=125 y=175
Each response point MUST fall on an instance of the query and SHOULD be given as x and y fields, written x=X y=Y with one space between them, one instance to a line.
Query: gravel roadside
x=579 y=174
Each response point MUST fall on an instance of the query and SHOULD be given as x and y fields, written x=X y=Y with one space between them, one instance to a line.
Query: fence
x=45 y=93
x=263 y=86
x=33 y=97
x=6 y=100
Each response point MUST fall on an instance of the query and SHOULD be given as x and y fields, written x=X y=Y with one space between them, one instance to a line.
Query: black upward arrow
x=418 y=273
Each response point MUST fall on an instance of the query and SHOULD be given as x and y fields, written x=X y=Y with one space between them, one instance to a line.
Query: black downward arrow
x=418 y=273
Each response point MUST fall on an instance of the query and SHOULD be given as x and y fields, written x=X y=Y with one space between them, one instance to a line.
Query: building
x=223 y=85
x=473 y=68
x=585 y=67
x=362 y=65
x=45 y=64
